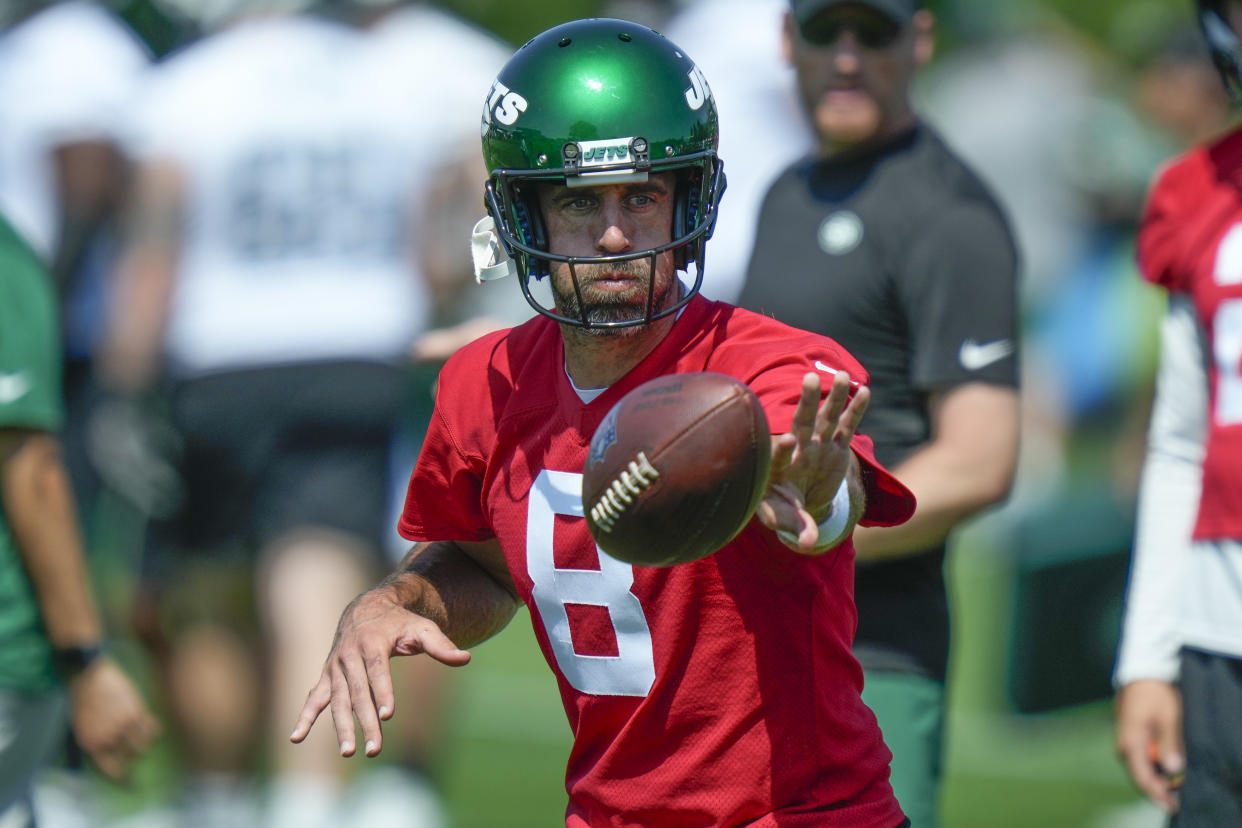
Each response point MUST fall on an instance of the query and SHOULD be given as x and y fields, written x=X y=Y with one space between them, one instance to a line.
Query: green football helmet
x=596 y=102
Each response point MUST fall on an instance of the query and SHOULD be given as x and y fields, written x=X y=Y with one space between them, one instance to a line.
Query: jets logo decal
x=607 y=151
x=503 y=105
x=699 y=92
x=840 y=233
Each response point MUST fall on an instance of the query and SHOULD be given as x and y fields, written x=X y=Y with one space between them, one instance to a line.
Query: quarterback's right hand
x=356 y=681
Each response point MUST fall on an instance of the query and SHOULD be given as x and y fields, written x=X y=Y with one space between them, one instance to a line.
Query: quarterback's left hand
x=810 y=461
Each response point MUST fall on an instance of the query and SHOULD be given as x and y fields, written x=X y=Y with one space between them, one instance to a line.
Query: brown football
x=676 y=469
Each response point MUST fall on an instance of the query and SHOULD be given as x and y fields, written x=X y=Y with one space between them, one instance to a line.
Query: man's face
x=854 y=66
x=608 y=220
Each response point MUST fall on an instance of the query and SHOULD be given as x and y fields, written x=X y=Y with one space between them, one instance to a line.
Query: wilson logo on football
x=605 y=436
x=622 y=491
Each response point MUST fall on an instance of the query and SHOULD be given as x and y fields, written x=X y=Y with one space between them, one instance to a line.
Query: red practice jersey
x=714 y=693
x=1190 y=242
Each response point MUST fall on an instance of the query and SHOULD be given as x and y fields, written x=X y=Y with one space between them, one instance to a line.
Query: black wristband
x=70 y=662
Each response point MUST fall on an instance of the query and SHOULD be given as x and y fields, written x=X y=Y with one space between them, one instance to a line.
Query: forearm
x=967 y=466
x=90 y=174
x=858 y=494
x=38 y=504
x=1150 y=639
x=130 y=355
x=144 y=280
x=1168 y=502
x=945 y=498
x=442 y=582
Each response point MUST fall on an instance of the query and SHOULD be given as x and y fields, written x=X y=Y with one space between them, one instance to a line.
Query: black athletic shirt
x=900 y=254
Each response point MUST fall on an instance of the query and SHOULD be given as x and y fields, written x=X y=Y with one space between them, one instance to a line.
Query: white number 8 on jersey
x=632 y=671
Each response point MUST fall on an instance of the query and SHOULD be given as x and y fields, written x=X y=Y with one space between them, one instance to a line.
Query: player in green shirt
x=52 y=664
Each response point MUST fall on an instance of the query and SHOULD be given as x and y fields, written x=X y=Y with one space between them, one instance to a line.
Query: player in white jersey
x=274 y=280
x=67 y=70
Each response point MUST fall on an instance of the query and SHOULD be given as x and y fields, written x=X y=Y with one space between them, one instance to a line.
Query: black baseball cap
x=899 y=11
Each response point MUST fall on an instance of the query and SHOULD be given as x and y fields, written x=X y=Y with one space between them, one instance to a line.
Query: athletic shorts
x=1211 y=796
x=910 y=710
x=32 y=728
x=269 y=450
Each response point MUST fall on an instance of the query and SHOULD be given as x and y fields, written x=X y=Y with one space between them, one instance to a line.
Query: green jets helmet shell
x=596 y=80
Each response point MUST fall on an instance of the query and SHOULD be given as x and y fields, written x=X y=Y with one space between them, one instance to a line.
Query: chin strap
x=491 y=261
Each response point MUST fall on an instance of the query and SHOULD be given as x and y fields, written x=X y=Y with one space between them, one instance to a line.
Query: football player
x=1179 y=667
x=718 y=692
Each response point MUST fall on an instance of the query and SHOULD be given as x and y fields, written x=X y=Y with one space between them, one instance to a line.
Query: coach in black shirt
x=887 y=242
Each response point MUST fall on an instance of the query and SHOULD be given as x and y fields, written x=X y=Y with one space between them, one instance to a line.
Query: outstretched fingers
x=356 y=685
x=362 y=692
x=379 y=678
x=849 y=419
x=433 y=642
x=827 y=418
x=834 y=417
x=342 y=707
x=810 y=460
x=806 y=419
x=356 y=682
x=316 y=700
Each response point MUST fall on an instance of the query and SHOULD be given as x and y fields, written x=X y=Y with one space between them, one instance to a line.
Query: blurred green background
x=1118 y=26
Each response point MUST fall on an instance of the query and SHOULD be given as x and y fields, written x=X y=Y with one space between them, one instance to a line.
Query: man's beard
x=627 y=307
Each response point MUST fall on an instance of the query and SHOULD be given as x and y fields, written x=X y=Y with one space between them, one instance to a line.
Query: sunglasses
x=872 y=30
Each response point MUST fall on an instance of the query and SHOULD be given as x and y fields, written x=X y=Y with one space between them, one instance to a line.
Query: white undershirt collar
x=589 y=395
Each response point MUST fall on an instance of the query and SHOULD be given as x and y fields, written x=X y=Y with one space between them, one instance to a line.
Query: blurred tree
x=161 y=31
x=519 y=21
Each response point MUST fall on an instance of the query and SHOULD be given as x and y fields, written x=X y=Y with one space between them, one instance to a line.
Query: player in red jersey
x=1179 y=668
x=720 y=692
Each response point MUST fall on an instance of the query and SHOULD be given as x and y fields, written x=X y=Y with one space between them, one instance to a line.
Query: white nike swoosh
x=821 y=366
x=974 y=355
x=13 y=386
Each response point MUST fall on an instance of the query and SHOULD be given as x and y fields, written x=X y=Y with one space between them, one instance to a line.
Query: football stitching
x=619 y=494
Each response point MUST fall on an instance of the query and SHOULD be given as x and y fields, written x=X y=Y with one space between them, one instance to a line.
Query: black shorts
x=1211 y=795
x=269 y=450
